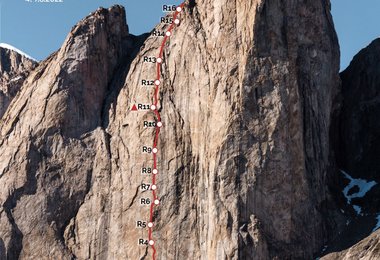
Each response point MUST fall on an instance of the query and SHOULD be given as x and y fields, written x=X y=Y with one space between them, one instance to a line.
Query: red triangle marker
x=134 y=108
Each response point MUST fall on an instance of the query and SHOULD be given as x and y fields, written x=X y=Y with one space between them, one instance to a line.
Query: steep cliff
x=358 y=154
x=360 y=127
x=246 y=100
x=14 y=68
x=51 y=137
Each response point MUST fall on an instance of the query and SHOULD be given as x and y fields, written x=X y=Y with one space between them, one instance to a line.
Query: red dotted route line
x=157 y=83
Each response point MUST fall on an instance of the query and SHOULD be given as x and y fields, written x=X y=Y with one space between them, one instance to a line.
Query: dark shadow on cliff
x=2 y=250
x=356 y=147
x=29 y=188
x=132 y=46
x=278 y=31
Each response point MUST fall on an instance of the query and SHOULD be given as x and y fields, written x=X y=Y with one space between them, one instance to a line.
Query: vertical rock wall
x=14 y=68
x=246 y=98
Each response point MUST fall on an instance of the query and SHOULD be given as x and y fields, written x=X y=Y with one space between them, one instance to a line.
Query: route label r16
x=169 y=8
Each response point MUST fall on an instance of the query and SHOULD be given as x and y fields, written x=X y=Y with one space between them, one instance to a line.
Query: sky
x=40 y=28
x=357 y=23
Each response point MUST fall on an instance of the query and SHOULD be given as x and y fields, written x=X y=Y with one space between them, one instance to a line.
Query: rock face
x=246 y=100
x=367 y=249
x=360 y=124
x=14 y=68
x=358 y=153
x=51 y=143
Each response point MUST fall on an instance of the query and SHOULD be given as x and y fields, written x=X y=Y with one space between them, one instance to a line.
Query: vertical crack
x=14 y=248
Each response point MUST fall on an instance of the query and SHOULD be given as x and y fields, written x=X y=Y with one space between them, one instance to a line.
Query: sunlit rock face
x=14 y=68
x=246 y=100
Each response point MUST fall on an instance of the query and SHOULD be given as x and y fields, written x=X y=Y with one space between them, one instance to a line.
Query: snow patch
x=16 y=79
x=357 y=209
x=12 y=48
x=363 y=185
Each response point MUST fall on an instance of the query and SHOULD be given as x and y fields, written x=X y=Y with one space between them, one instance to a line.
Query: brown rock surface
x=367 y=249
x=246 y=101
x=51 y=140
x=14 y=68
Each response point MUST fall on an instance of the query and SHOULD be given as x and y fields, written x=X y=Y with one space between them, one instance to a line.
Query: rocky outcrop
x=14 y=68
x=246 y=101
x=367 y=249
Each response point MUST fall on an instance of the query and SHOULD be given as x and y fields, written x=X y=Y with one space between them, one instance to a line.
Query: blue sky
x=40 y=28
x=357 y=23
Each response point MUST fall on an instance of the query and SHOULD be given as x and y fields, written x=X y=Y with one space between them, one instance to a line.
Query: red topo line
x=157 y=113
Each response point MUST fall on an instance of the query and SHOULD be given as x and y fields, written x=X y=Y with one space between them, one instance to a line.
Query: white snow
x=363 y=185
x=377 y=224
x=12 y=48
x=16 y=79
x=357 y=209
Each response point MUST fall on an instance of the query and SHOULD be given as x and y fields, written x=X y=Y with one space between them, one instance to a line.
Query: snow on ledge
x=363 y=185
x=12 y=48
